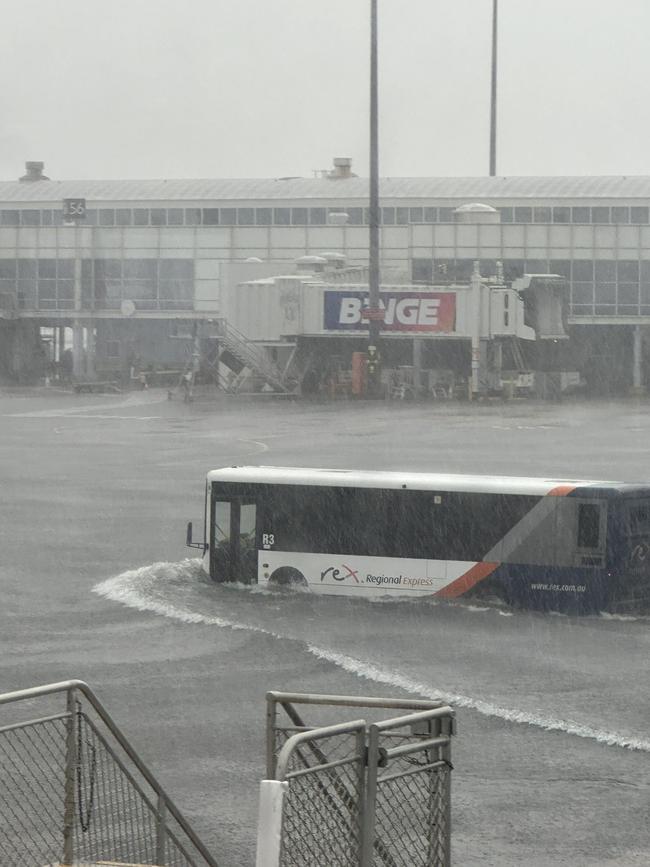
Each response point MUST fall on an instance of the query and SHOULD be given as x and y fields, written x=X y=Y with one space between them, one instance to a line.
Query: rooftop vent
x=477 y=212
x=334 y=259
x=34 y=172
x=311 y=263
x=342 y=169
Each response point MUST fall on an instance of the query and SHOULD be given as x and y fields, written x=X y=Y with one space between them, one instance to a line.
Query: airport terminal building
x=151 y=257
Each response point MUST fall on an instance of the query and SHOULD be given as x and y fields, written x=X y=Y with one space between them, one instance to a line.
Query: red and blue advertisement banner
x=415 y=312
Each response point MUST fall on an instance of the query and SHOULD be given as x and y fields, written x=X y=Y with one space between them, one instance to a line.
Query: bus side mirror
x=188 y=539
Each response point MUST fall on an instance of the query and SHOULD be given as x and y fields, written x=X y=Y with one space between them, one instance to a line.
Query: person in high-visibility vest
x=373 y=369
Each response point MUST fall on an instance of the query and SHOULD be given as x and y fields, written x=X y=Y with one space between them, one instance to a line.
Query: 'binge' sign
x=412 y=311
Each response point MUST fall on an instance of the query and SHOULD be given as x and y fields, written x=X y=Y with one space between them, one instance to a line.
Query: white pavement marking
x=81 y=411
x=262 y=447
x=90 y=417
x=130 y=588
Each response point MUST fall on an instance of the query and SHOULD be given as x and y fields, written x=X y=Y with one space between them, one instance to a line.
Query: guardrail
x=357 y=793
x=73 y=790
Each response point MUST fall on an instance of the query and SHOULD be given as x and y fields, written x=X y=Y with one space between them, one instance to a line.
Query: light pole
x=493 y=94
x=374 y=321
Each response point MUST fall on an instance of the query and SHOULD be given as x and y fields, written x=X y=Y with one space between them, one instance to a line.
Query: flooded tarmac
x=552 y=756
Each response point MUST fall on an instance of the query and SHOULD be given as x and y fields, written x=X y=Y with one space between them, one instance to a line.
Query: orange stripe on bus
x=467 y=580
x=561 y=491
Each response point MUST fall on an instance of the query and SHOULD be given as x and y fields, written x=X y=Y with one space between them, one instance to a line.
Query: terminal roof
x=347 y=189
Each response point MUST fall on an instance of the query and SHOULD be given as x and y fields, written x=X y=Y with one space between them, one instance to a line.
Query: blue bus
x=547 y=544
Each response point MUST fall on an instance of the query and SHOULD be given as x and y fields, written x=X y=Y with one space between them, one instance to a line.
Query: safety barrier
x=356 y=793
x=73 y=790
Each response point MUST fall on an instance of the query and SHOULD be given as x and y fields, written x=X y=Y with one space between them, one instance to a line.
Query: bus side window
x=221 y=522
x=247 y=522
x=588 y=525
x=638 y=520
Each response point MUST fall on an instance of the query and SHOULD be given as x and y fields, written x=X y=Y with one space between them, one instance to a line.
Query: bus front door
x=233 y=548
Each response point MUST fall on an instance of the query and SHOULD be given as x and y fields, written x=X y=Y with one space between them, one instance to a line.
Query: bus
x=549 y=544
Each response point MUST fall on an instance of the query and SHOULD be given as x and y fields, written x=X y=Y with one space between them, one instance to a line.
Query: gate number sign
x=74 y=209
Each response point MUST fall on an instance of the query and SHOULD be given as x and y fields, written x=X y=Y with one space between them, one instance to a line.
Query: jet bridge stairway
x=518 y=354
x=253 y=359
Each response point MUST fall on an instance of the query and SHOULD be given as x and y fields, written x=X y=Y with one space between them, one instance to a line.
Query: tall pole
x=493 y=94
x=374 y=325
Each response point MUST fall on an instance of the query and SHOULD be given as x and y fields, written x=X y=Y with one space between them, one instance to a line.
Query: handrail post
x=362 y=756
x=271 y=720
x=446 y=755
x=161 y=831
x=70 y=770
x=368 y=838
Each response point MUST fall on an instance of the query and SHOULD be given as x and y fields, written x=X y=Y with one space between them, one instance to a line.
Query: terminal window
x=422 y=271
x=583 y=269
x=246 y=216
x=10 y=218
x=30 y=217
x=210 y=216
x=523 y=215
x=638 y=215
x=282 y=216
x=561 y=267
x=580 y=215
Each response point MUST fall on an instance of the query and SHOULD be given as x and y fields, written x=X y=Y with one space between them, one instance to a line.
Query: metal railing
x=360 y=793
x=73 y=790
x=249 y=355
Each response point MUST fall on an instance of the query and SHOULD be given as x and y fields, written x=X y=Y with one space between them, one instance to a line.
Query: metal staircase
x=74 y=792
x=517 y=354
x=254 y=360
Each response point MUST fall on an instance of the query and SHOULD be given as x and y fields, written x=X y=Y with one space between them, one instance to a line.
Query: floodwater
x=552 y=757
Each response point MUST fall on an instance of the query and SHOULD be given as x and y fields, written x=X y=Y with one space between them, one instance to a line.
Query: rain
x=439 y=335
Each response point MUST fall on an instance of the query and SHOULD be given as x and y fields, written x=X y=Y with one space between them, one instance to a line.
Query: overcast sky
x=266 y=88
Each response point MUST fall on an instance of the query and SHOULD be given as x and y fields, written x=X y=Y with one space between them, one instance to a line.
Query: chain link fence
x=72 y=791
x=359 y=793
x=322 y=809
x=409 y=777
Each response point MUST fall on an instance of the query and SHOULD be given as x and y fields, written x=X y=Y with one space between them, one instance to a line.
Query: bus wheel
x=287 y=576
